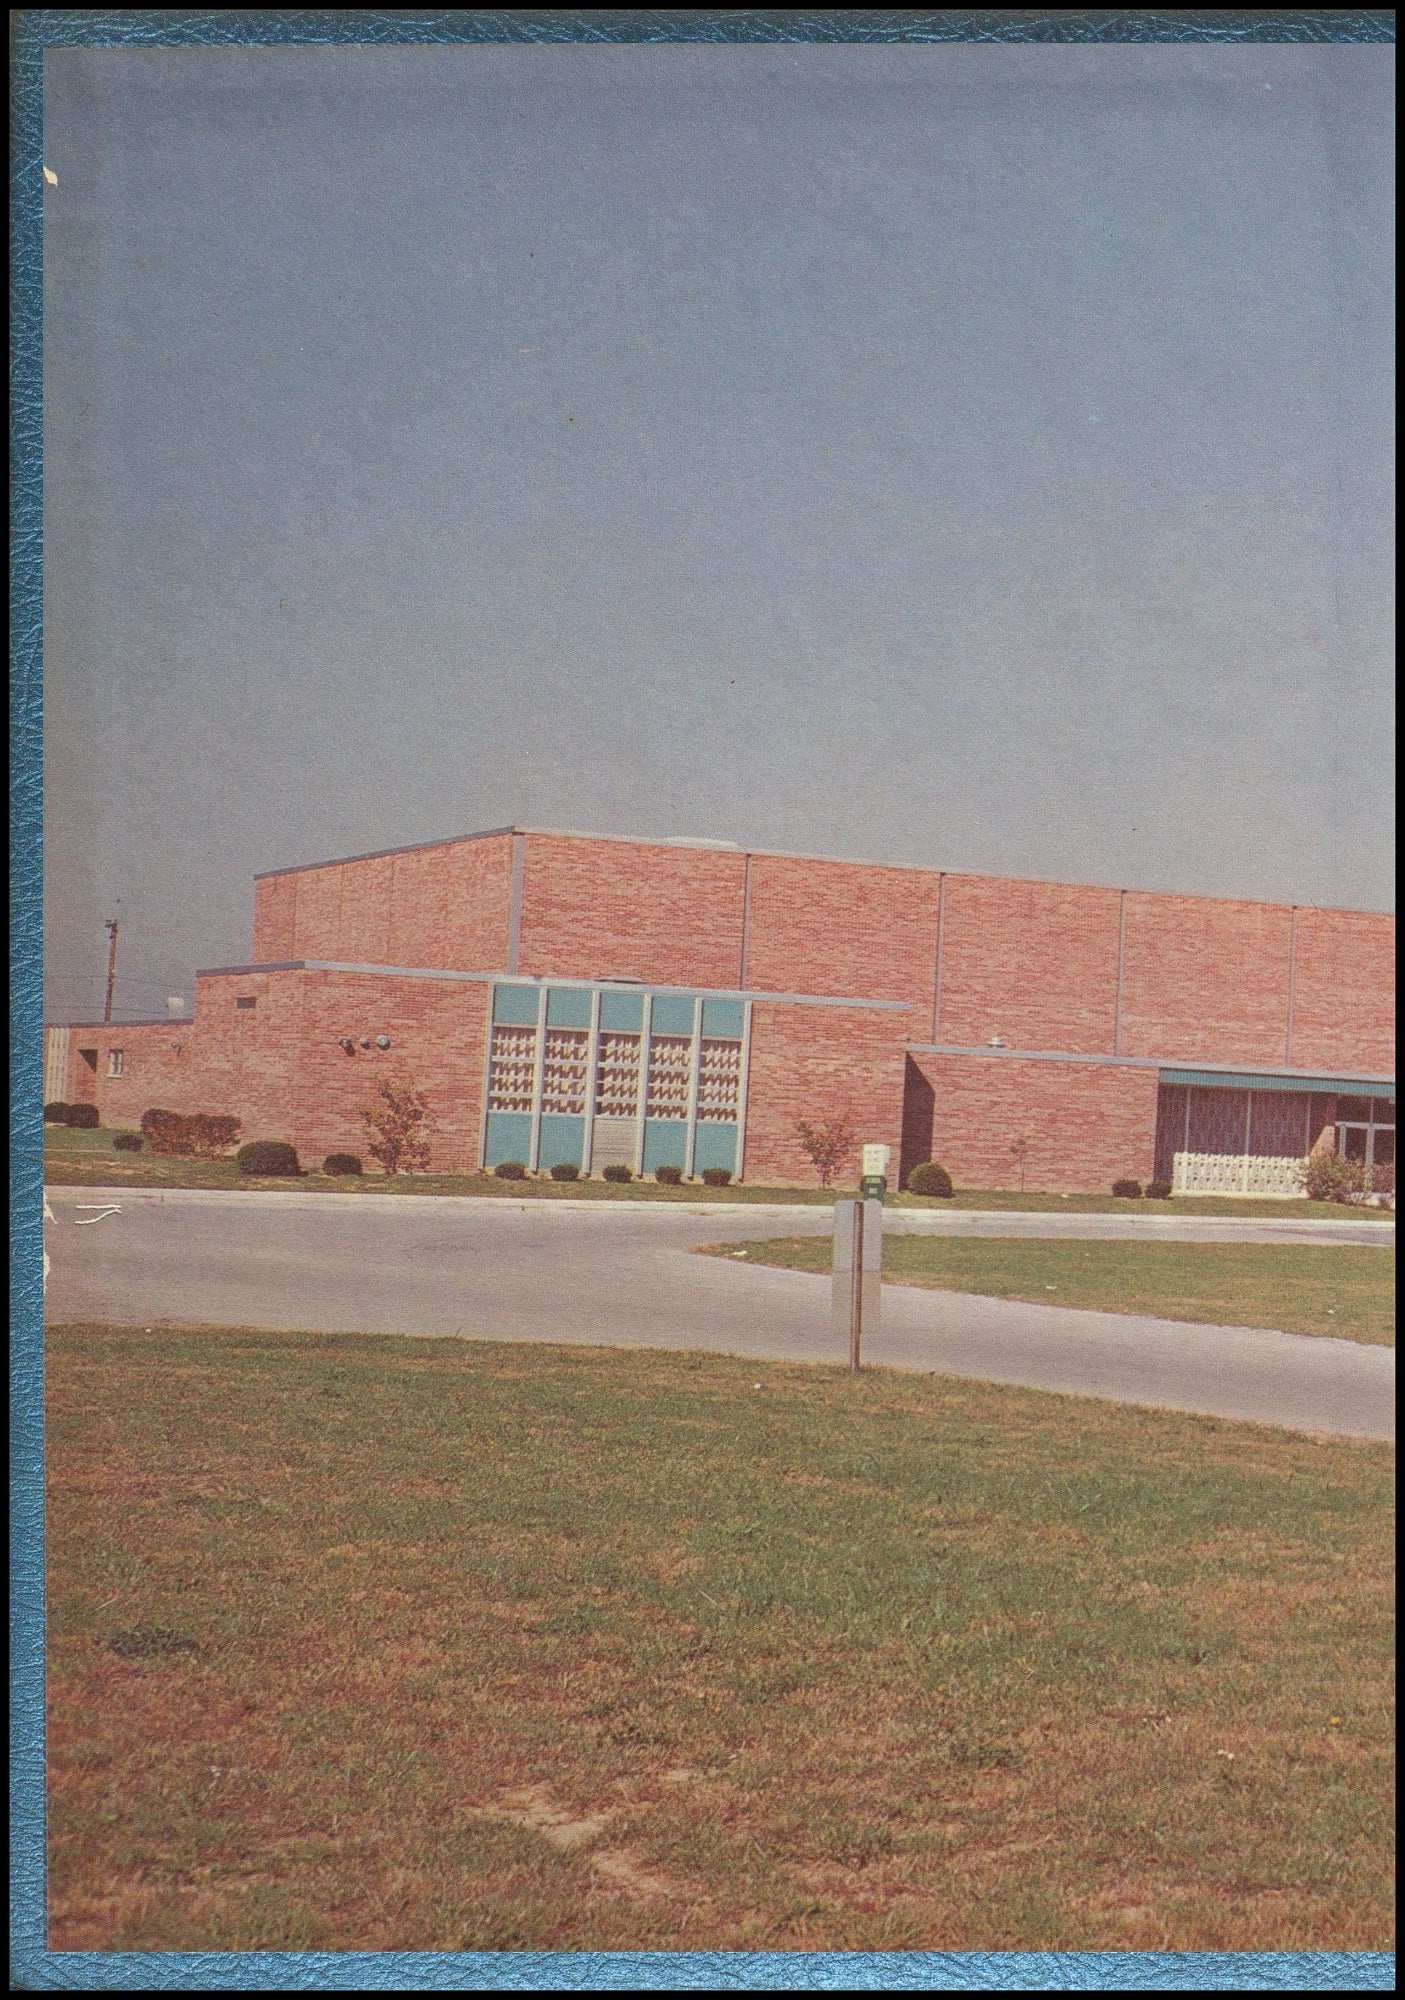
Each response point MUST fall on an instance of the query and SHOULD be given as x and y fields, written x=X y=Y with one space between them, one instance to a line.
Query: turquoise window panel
x=515 y=1006
x=568 y=1007
x=723 y=1021
x=673 y=1014
x=716 y=1146
x=509 y=1138
x=665 y=1143
x=622 y=1013
x=562 y=1141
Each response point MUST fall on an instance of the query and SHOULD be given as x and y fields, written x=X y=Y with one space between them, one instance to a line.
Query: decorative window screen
x=617 y=1077
x=564 y=1071
x=719 y=1082
x=670 y=1075
x=512 y=1074
x=1279 y=1124
x=1217 y=1121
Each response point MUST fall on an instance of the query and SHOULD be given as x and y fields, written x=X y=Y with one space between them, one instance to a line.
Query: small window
x=116 y=1061
x=247 y=1000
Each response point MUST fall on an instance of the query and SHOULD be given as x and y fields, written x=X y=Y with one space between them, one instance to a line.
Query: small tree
x=395 y=1126
x=1019 y=1149
x=825 y=1144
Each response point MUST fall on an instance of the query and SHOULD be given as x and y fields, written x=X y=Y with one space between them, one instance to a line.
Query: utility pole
x=111 y=966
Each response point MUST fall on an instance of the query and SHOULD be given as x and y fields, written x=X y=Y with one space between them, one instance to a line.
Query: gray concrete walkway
x=620 y=1274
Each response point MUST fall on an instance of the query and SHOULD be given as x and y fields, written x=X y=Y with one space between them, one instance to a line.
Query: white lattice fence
x=1237 y=1173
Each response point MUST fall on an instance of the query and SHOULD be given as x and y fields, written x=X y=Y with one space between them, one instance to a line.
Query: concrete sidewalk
x=621 y=1275
x=1157 y=1222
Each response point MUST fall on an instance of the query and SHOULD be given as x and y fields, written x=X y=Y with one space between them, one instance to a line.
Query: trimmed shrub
x=565 y=1170
x=268 y=1156
x=341 y=1163
x=932 y=1180
x=1326 y=1178
x=1158 y=1190
x=1382 y=1179
x=669 y=1176
x=203 y=1136
x=210 y=1135
x=1128 y=1190
x=83 y=1117
x=166 y=1132
x=511 y=1170
x=618 y=1174
x=56 y=1112
x=127 y=1142
x=717 y=1176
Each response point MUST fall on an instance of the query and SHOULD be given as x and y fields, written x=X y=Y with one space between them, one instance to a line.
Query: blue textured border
x=723 y=1971
x=33 y=1968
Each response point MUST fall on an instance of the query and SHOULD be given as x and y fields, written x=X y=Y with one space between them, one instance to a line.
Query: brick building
x=563 y=997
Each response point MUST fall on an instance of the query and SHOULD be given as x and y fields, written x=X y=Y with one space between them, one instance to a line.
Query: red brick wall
x=438 y=1039
x=1344 y=992
x=444 y=907
x=815 y=1063
x=280 y=1067
x=275 y=918
x=1205 y=980
x=1033 y=962
x=158 y=1061
x=1089 y=1124
x=618 y=909
x=841 y=928
x=247 y=1060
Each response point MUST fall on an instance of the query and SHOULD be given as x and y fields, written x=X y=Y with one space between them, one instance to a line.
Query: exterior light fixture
x=997 y=1042
x=382 y=1041
x=345 y=1042
x=365 y=1041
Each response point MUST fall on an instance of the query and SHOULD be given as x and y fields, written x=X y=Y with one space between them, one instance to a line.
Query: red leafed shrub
x=202 y=1135
x=213 y=1134
x=396 y=1126
x=166 y=1132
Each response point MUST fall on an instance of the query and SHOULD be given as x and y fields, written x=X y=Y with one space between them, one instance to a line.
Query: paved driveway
x=620 y=1274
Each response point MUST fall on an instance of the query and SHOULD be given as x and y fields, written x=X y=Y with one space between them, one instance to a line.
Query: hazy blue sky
x=977 y=457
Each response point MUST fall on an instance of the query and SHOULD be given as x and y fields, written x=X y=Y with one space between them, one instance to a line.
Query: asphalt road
x=619 y=1274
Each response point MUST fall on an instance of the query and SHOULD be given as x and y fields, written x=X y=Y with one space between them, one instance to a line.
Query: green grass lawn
x=1343 y=1290
x=363 y=1643
x=87 y=1159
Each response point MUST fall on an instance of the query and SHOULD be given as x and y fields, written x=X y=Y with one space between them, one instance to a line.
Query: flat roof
x=558 y=979
x=152 y=1021
x=1210 y=1075
x=714 y=846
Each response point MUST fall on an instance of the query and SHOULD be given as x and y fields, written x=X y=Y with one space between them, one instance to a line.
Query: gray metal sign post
x=858 y=1273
